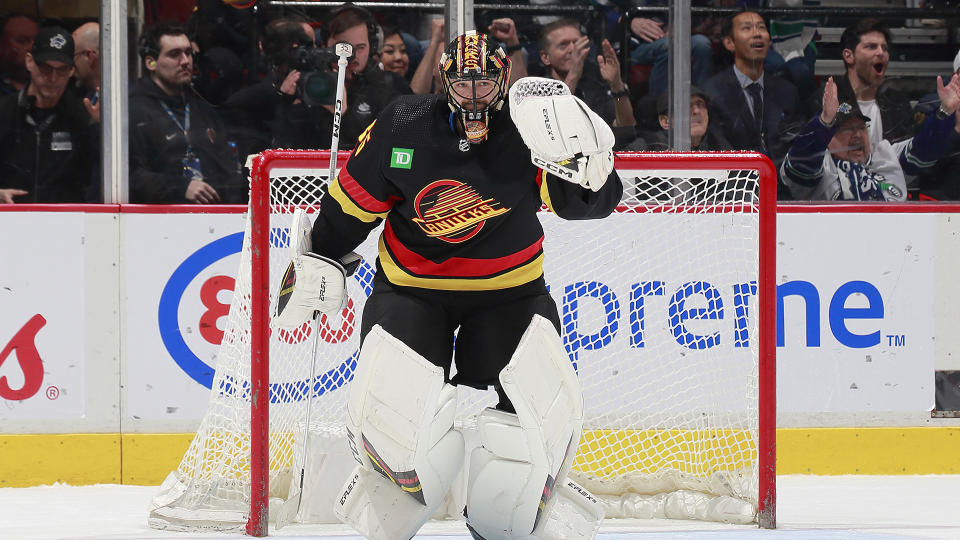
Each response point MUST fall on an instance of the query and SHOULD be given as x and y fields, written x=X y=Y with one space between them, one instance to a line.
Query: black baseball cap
x=53 y=43
x=663 y=103
x=848 y=107
x=848 y=110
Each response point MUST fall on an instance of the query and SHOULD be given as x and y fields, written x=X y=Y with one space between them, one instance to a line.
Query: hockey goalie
x=458 y=179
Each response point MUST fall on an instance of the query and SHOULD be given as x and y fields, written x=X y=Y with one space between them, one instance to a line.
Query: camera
x=318 y=83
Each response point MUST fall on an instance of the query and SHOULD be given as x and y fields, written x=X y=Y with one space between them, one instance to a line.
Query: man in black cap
x=47 y=155
x=833 y=158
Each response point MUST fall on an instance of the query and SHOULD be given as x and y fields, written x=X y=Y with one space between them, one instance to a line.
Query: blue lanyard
x=185 y=126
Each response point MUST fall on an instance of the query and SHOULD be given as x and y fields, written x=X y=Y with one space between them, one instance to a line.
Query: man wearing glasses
x=46 y=155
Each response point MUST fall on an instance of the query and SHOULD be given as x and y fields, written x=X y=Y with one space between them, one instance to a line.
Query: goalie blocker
x=312 y=283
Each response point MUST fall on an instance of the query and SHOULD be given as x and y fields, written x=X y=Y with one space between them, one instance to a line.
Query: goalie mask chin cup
x=474 y=72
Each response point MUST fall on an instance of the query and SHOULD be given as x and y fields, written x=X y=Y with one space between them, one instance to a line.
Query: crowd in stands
x=233 y=81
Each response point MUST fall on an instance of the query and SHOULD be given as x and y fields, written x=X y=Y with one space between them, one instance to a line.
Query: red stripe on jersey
x=456 y=266
x=539 y=178
x=364 y=199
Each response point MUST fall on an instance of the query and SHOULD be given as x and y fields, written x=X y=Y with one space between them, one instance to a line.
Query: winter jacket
x=51 y=153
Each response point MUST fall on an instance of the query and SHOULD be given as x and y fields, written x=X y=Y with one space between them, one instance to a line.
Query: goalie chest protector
x=459 y=216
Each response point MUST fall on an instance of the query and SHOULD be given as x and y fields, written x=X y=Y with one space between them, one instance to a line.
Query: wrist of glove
x=565 y=137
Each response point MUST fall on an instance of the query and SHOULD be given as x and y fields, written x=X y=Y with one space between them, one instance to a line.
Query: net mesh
x=657 y=304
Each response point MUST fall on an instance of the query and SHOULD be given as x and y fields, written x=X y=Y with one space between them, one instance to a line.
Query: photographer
x=368 y=88
x=252 y=113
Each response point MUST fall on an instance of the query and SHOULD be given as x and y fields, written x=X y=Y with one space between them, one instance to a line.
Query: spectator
x=178 y=147
x=86 y=59
x=46 y=156
x=251 y=112
x=793 y=52
x=564 y=50
x=754 y=110
x=393 y=53
x=505 y=31
x=649 y=46
x=865 y=51
x=368 y=88
x=394 y=58
x=941 y=182
x=702 y=138
x=834 y=159
x=16 y=38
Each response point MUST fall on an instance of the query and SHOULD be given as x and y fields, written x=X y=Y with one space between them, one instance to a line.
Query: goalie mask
x=474 y=72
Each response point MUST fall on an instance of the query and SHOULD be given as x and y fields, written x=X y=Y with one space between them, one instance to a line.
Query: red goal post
x=731 y=193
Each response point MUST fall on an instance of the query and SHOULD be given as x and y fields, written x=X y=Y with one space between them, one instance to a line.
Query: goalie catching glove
x=312 y=283
x=564 y=136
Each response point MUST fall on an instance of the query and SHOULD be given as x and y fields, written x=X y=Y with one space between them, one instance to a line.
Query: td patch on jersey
x=401 y=158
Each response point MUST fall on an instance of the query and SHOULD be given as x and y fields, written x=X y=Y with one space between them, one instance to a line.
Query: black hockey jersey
x=459 y=216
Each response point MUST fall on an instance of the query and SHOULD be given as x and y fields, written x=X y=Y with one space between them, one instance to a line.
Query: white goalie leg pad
x=400 y=419
x=518 y=487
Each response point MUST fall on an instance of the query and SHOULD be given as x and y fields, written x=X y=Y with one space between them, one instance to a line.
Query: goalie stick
x=288 y=511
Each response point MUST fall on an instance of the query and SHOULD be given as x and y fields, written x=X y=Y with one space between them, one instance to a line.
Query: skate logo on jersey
x=453 y=211
x=364 y=138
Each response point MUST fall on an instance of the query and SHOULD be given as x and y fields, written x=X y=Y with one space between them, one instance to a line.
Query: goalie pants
x=490 y=324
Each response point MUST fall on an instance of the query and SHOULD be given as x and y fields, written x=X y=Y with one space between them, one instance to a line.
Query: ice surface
x=808 y=508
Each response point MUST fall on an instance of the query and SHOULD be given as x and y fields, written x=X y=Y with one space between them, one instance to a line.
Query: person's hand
x=580 y=49
x=949 y=94
x=289 y=84
x=830 y=102
x=610 y=67
x=648 y=30
x=201 y=192
x=436 y=31
x=7 y=195
x=93 y=109
x=504 y=30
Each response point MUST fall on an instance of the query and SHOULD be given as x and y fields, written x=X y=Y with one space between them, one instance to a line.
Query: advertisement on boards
x=855 y=312
x=855 y=290
x=41 y=316
x=178 y=281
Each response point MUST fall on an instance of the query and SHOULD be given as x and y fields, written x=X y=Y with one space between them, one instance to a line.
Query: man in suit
x=753 y=110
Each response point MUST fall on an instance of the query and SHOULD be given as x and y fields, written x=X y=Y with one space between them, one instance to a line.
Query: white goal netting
x=659 y=308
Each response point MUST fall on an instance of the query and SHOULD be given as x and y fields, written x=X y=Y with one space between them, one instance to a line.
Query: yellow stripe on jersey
x=518 y=276
x=351 y=208
x=545 y=191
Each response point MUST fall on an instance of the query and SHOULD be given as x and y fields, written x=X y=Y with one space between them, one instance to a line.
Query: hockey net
x=667 y=308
